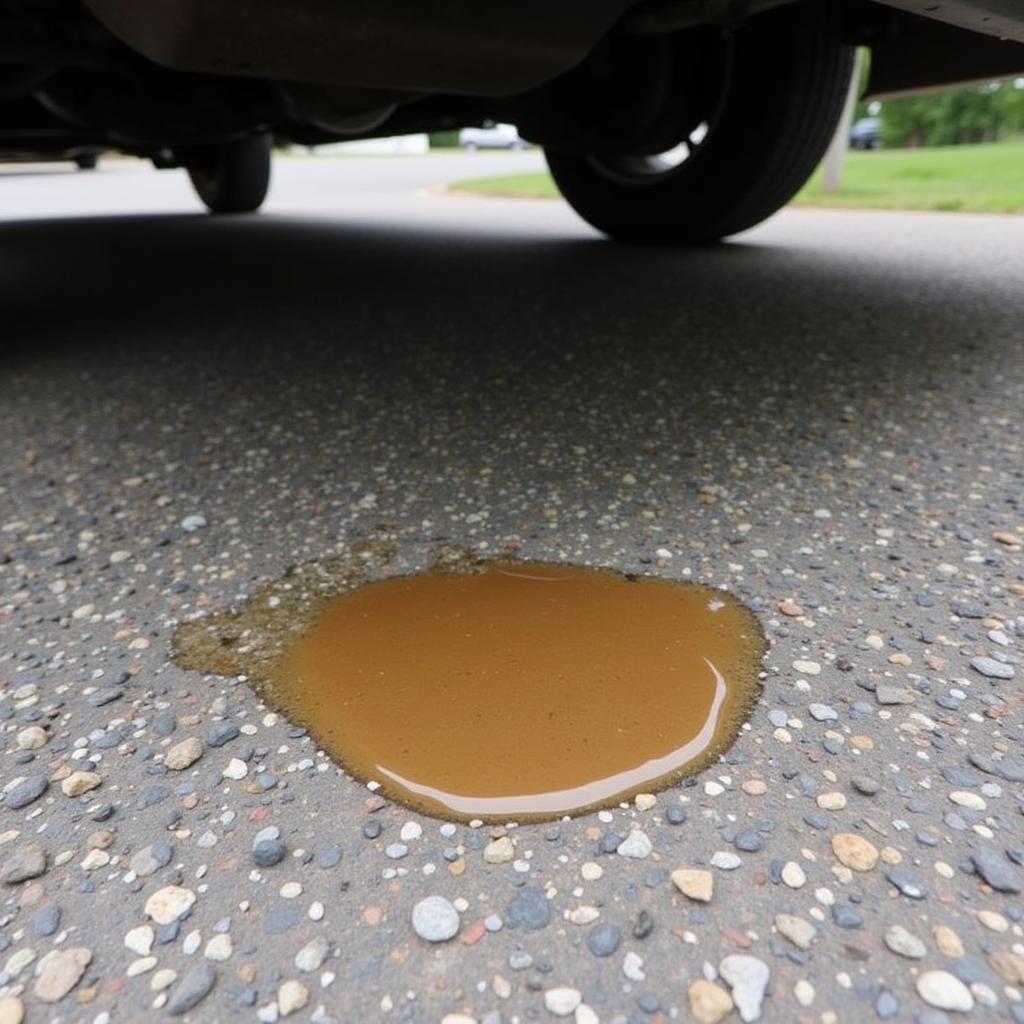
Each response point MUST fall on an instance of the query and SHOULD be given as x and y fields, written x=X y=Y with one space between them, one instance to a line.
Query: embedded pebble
x=220 y=947
x=312 y=955
x=996 y=870
x=169 y=903
x=235 y=770
x=562 y=1002
x=748 y=978
x=854 y=851
x=140 y=939
x=798 y=930
x=183 y=755
x=833 y=801
x=992 y=669
x=151 y=859
x=944 y=991
x=195 y=985
x=636 y=846
x=633 y=966
x=292 y=995
x=901 y=942
x=947 y=941
x=23 y=863
x=32 y=737
x=25 y=792
x=604 y=939
x=12 y=1010
x=499 y=851
x=793 y=875
x=694 y=883
x=435 y=919
x=268 y=852
x=725 y=860
x=528 y=909
x=60 y=972
x=80 y=781
x=709 y=1003
x=907 y=883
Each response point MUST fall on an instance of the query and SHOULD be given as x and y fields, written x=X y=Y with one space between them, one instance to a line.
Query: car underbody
x=175 y=81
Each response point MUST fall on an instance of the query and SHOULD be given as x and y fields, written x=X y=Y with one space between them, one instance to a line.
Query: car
x=491 y=136
x=665 y=121
x=866 y=133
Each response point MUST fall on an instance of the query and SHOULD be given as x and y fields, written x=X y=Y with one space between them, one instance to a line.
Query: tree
x=977 y=113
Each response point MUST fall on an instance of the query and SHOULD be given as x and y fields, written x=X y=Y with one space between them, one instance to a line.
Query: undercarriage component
x=459 y=46
x=919 y=53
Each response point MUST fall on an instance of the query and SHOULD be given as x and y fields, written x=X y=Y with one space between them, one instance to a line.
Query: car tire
x=784 y=82
x=87 y=161
x=232 y=177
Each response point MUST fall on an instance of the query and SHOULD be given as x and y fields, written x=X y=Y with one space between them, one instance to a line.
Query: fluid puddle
x=519 y=690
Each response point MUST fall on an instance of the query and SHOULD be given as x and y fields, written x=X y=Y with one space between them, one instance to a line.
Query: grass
x=986 y=178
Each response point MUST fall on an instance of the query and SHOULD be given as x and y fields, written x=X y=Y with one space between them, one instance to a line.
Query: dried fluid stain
x=522 y=690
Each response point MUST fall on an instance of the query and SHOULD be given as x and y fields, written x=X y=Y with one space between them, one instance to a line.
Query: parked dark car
x=662 y=120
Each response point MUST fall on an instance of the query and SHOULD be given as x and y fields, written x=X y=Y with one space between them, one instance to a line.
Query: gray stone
x=151 y=859
x=992 y=669
x=996 y=869
x=164 y=724
x=749 y=841
x=528 y=909
x=152 y=796
x=192 y=989
x=283 y=918
x=106 y=696
x=823 y=713
x=887 y=1005
x=23 y=863
x=907 y=883
x=329 y=856
x=957 y=776
x=845 y=916
x=26 y=792
x=865 y=785
x=46 y=920
x=604 y=939
x=269 y=852
x=220 y=733
x=888 y=694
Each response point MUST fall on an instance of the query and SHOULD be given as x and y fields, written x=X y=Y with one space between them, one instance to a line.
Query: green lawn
x=987 y=178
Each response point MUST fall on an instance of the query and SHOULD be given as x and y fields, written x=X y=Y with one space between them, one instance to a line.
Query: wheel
x=470 y=147
x=232 y=177
x=712 y=132
x=87 y=161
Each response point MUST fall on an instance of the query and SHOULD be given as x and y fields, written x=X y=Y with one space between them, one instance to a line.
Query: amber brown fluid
x=524 y=690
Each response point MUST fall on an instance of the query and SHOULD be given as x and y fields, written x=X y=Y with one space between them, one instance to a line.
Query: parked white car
x=495 y=136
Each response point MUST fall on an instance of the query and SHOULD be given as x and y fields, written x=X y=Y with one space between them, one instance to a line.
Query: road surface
x=823 y=416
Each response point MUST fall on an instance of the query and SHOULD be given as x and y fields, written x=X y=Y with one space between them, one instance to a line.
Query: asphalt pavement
x=823 y=416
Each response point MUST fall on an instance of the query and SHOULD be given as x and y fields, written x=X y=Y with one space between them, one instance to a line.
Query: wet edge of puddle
x=254 y=638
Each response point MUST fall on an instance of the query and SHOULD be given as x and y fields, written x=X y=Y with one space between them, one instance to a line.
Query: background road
x=823 y=416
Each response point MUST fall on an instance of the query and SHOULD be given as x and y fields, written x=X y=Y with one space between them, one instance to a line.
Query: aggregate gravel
x=824 y=418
